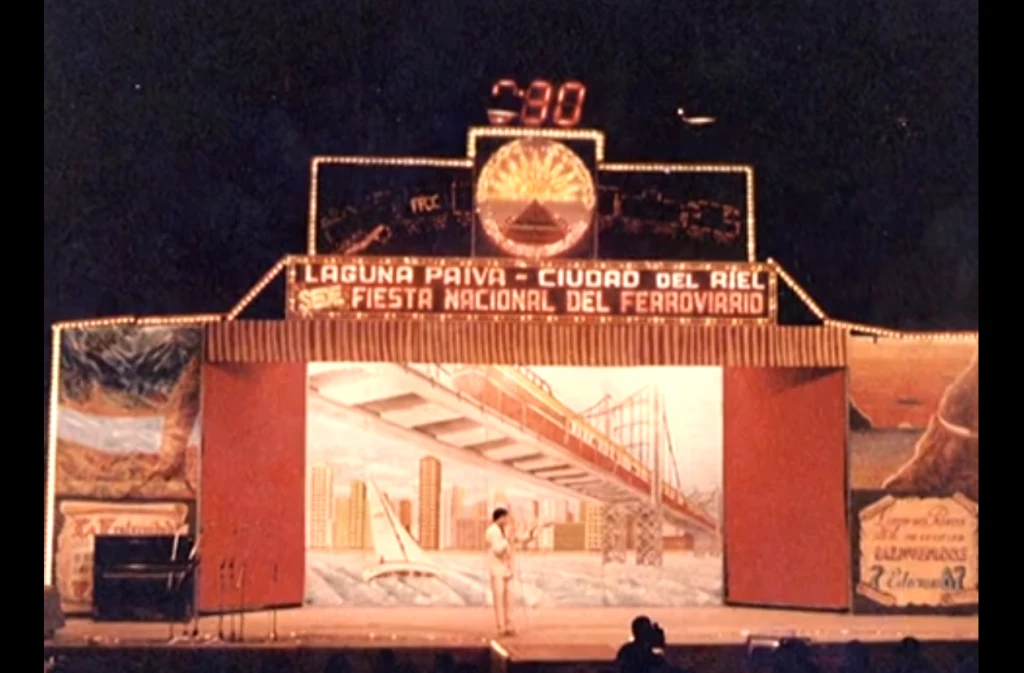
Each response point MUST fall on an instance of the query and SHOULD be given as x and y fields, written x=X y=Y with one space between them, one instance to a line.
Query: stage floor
x=592 y=634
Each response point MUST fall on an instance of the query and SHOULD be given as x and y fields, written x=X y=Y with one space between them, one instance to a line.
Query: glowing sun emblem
x=535 y=198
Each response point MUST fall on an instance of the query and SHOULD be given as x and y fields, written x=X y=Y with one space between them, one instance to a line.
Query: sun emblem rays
x=535 y=198
x=536 y=170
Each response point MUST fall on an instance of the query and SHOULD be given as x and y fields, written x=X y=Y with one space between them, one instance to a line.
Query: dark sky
x=177 y=135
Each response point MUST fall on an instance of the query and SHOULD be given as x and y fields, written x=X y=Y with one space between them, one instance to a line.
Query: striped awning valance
x=524 y=343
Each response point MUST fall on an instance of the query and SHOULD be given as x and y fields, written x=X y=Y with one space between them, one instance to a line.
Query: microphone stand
x=173 y=581
x=241 y=613
x=220 y=613
x=231 y=615
x=273 y=612
x=531 y=536
x=193 y=567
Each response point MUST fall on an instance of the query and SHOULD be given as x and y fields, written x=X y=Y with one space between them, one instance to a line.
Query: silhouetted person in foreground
x=910 y=659
x=794 y=656
x=760 y=660
x=337 y=663
x=272 y=662
x=444 y=662
x=856 y=658
x=967 y=659
x=643 y=653
x=386 y=662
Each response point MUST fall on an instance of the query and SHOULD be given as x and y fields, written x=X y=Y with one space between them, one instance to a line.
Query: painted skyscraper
x=358 y=517
x=593 y=526
x=430 y=503
x=321 y=504
x=340 y=539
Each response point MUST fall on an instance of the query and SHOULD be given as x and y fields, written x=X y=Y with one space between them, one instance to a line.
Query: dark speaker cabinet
x=143 y=578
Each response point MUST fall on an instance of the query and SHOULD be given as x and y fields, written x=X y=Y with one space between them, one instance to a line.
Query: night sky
x=177 y=136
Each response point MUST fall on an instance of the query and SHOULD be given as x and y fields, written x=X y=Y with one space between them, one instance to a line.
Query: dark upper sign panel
x=532 y=186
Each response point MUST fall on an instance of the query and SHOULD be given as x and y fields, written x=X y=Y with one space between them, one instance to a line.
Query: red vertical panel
x=252 y=500
x=786 y=533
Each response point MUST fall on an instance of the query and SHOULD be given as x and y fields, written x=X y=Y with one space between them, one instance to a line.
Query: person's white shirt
x=498 y=559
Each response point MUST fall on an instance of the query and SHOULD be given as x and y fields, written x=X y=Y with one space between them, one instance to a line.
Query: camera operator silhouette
x=643 y=654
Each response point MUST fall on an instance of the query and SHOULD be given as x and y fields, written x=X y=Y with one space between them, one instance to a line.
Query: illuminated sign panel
x=493 y=289
x=423 y=208
x=681 y=212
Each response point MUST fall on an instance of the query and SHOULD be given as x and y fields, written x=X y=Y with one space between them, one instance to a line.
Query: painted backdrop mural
x=405 y=464
x=914 y=475
x=128 y=436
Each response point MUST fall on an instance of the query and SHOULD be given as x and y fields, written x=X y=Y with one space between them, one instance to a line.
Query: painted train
x=525 y=398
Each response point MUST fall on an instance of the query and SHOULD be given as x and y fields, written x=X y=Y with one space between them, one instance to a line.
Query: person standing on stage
x=500 y=537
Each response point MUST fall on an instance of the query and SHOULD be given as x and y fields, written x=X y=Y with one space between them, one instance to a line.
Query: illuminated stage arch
x=232 y=340
x=762 y=359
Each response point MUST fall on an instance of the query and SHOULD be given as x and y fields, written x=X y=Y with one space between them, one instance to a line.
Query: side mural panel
x=914 y=475
x=406 y=463
x=128 y=436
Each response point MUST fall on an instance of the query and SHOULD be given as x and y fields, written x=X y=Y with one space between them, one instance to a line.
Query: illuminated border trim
x=798 y=290
x=872 y=330
x=513 y=262
x=747 y=170
x=536 y=319
x=861 y=328
x=289 y=262
x=292 y=261
x=51 y=457
x=256 y=289
x=352 y=160
x=517 y=132
x=57 y=331
x=502 y=653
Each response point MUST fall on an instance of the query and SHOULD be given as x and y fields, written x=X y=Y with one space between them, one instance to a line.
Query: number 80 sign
x=537 y=108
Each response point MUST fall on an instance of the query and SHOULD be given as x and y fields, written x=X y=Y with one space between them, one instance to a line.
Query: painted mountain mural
x=128 y=413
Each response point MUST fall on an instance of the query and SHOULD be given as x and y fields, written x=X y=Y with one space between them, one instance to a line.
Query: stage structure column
x=615 y=519
x=650 y=542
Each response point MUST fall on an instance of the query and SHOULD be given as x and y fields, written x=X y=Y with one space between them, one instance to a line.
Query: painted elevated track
x=507 y=420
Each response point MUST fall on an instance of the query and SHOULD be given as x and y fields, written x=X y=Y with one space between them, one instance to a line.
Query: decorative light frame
x=288 y=262
x=57 y=332
x=745 y=169
x=367 y=161
x=477 y=133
